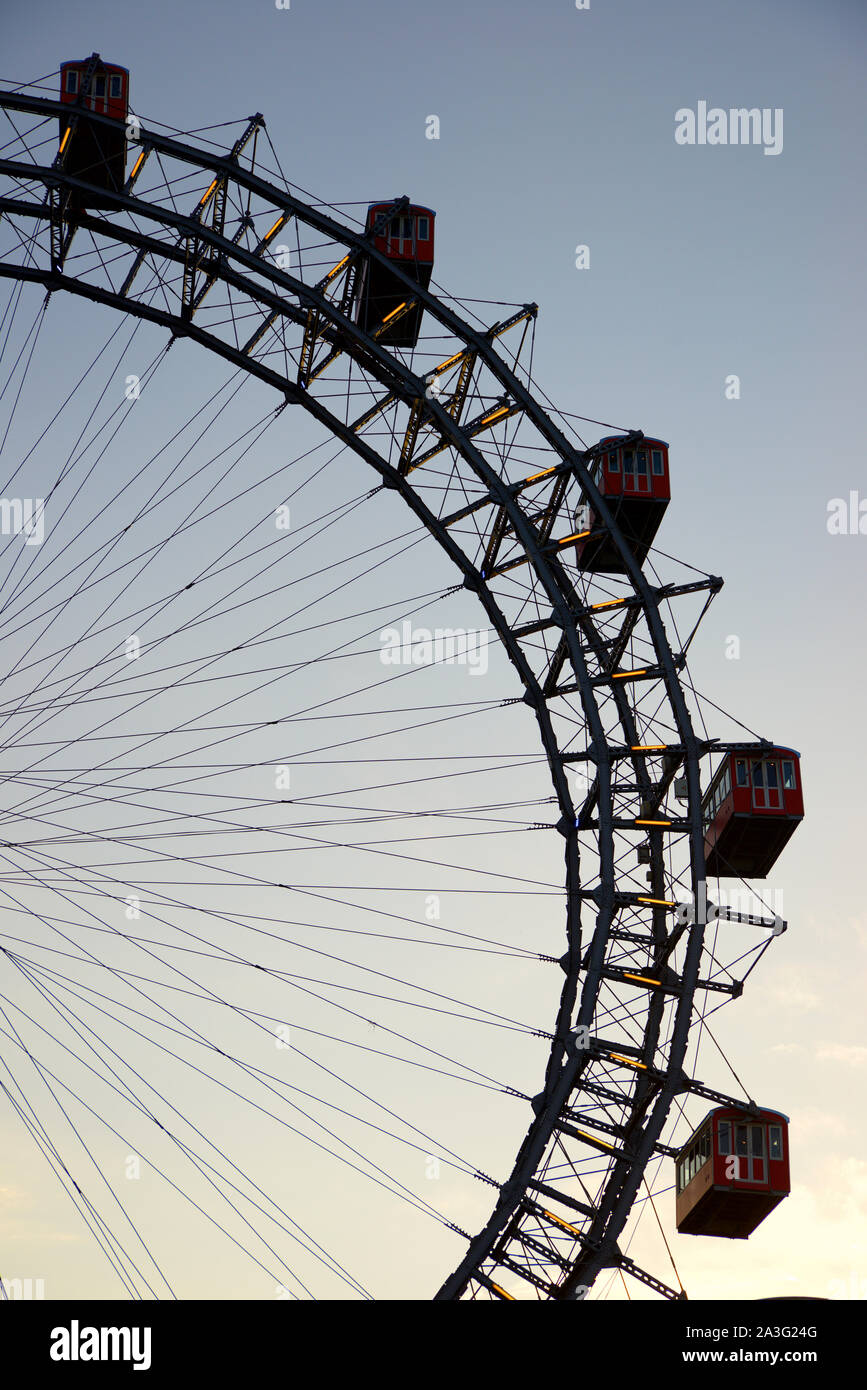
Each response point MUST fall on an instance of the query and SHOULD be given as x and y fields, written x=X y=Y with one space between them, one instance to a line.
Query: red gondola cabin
x=751 y=808
x=732 y=1172
x=93 y=150
x=408 y=240
x=633 y=479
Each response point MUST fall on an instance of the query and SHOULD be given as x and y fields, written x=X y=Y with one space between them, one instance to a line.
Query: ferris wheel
x=124 y=625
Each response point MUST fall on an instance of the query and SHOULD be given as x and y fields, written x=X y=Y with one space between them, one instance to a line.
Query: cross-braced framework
x=201 y=244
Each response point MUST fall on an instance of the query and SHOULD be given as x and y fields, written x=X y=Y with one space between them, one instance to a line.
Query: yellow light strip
x=502 y=1292
x=466 y=352
x=653 y=822
x=624 y=675
x=206 y=196
x=277 y=225
x=390 y=316
x=628 y=1061
x=578 y=536
x=138 y=164
x=332 y=273
x=658 y=902
x=558 y=1222
x=494 y=415
x=642 y=979
x=545 y=471
x=449 y=362
x=647 y=747
x=66 y=136
x=612 y=603
x=593 y=1140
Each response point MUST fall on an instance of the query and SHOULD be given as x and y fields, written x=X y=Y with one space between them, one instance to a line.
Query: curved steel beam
x=235 y=266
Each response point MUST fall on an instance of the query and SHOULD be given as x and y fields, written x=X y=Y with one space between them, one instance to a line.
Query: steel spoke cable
x=404 y=1192
x=67 y=468
x=71 y=461
x=122 y=680
x=324 y=569
x=283 y=672
x=204 y=662
x=42 y=632
x=399 y=1190
x=40 y=1136
x=292 y=979
x=135 y=834
x=101 y=1118
x=125 y=415
x=222 y=705
x=491 y=1017
x=91 y=1156
x=127 y=1093
x=16 y=291
x=455 y=1160
x=60 y=1171
x=208 y=771
x=35 y=332
x=474 y=1076
x=31 y=845
x=500 y=949
x=32 y=332
x=130 y=617
x=59 y=608
x=477 y=1079
x=657 y=1025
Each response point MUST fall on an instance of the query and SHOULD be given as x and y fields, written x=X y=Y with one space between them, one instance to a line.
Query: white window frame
x=778 y=1131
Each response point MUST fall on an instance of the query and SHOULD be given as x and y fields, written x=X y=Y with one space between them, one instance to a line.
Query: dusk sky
x=708 y=293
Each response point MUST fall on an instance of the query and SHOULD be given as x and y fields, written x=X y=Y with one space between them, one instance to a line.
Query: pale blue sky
x=557 y=129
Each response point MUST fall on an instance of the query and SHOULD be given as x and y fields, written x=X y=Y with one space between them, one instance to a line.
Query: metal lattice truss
x=201 y=244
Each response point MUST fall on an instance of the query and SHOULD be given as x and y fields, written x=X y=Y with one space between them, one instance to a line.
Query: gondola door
x=401 y=239
x=767 y=792
x=642 y=472
x=752 y=1163
x=636 y=473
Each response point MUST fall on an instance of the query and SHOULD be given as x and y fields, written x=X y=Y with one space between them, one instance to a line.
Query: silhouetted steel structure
x=632 y=968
